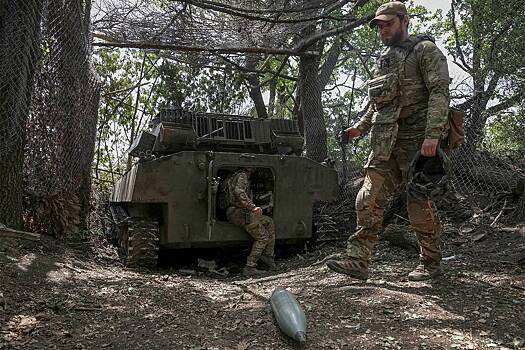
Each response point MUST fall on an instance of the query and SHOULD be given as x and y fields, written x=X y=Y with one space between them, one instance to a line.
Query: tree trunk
x=271 y=101
x=81 y=98
x=297 y=109
x=255 y=87
x=19 y=43
x=312 y=80
x=312 y=109
x=62 y=130
x=474 y=125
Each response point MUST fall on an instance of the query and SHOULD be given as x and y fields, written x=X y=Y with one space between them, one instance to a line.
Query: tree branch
x=328 y=33
x=502 y=31
x=266 y=11
x=491 y=87
x=330 y=62
x=208 y=5
x=258 y=71
x=456 y=37
x=125 y=89
x=509 y=102
x=360 y=56
x=173 y=47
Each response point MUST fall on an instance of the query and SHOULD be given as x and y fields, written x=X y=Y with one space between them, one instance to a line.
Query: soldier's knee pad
x=362 y=199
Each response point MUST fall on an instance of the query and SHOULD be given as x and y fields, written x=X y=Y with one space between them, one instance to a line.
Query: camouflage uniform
x=402 y=114
x=239 y=212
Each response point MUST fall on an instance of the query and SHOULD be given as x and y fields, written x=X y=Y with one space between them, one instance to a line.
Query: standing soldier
x=241 y=211
x=409 y=102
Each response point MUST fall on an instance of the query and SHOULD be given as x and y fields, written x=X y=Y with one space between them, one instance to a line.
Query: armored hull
x=174 y=187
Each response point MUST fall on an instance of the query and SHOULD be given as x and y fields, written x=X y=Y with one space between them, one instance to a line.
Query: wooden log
x=6 y=232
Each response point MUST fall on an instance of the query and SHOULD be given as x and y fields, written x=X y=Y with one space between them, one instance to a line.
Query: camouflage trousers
x=382 y=180
x=260 y=228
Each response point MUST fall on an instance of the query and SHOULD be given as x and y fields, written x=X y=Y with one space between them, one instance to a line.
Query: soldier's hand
x=257 y=211
x=429 y=147
x=353 y=132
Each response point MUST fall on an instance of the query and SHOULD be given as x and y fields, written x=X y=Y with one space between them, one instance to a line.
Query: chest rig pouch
x=384 y=92
x=383 y=89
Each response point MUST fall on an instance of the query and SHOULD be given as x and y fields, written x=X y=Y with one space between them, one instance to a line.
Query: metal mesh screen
x=61 y=103
x=493 y=186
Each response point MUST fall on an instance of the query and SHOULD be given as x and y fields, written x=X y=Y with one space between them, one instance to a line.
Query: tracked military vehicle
x=169 y=198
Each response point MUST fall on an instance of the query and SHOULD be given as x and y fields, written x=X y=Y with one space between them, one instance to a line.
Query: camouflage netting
x=50 y=89
x=59 y=121
x=224 y=26
x=62 y=123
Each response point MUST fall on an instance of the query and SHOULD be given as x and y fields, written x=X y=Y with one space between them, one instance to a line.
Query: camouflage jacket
x=238 y=190
x=409 y=96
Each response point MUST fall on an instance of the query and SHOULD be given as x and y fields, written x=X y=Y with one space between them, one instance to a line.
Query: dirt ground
x=76 y=296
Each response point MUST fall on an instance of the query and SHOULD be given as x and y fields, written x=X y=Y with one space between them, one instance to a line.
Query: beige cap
x=389 y=11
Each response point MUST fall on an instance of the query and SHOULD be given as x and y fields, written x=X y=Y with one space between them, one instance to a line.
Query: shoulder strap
x=410 y=47
x=416 y=40
x=408 y=50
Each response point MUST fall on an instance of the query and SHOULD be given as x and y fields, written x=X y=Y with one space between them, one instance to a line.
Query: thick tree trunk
x=19 y=42
x=80 y=99
x=312 y=80
x=312 y=109
x=63 y=128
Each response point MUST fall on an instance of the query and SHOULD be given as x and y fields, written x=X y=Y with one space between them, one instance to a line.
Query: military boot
x=352 y=267
x=270 y=262
x=249 y=271
x=423 y=273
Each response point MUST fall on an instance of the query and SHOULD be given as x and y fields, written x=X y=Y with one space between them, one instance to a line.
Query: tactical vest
x=390 y=92
x=390 y=86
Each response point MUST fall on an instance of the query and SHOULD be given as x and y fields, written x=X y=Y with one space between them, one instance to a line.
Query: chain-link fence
x=486 y=188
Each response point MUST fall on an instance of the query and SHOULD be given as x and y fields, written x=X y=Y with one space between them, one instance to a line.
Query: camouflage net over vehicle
x=240 y=26
x=50 y=95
